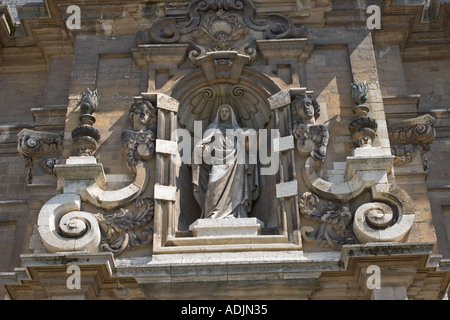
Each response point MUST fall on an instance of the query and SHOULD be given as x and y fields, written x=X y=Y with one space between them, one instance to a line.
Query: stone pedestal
x=226 y=227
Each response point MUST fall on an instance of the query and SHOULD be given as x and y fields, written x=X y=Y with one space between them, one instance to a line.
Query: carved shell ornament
x=220 y=29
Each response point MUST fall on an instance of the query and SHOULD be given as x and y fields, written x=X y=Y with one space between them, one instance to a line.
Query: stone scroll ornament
x=408 y=137
x=221 y=22
x=64 y=227
x=334 y=222
x=312 y=139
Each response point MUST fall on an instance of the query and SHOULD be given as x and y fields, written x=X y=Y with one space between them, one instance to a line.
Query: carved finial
x=88 y=102
x=86 y=137
x=363 y=128
x=360 y=91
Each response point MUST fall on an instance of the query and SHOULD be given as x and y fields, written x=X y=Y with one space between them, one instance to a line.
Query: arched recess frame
x=170 y=100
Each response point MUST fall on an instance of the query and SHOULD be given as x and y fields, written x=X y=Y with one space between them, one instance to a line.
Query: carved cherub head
x=142 y=115
x=306 y=108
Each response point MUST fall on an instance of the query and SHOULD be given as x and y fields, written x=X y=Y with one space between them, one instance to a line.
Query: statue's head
x=306 y=108
x=224 y=113
x=142 y=115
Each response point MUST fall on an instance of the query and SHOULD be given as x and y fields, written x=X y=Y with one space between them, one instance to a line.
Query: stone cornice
x=420 y=31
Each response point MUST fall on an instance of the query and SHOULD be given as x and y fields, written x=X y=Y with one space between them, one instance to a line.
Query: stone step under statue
x=231 y=227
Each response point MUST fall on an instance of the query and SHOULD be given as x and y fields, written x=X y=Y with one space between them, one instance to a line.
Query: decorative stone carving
x=311 y=139
x=139 y=144
x=225 y=182
x=125 y=229
x=63 y=227
x=38 y=145
x=251 y=111
x=223 y=21
x=86 y=137
x=220 y=29
x=407 y=137
x=386 y=221
x=404 y=154
x=335 y=228
x=363 y=128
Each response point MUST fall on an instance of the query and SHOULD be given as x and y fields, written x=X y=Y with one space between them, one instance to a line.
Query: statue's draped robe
x=227 y=184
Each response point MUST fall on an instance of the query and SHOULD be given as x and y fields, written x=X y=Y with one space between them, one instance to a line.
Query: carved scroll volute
x=388 y=218
x=45 y=147
x=63 y=227
x=222 y=21
x=410 y=136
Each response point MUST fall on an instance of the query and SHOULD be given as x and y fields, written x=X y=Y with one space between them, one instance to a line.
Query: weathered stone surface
x=187 y=58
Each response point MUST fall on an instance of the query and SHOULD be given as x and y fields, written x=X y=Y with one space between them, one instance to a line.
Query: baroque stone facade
x=198 y=149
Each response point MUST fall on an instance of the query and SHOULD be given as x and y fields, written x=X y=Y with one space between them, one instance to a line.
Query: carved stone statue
x=311 y=138
x=139 y=144
x=225 y=183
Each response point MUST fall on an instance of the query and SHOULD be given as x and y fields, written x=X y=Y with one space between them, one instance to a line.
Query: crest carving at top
x=221 y=23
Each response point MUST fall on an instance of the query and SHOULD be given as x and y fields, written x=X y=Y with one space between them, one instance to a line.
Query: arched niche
x=199 y=101
x=259 y=103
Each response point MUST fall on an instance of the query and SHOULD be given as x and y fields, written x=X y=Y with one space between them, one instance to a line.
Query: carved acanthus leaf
x=334 y=229
x=127 y=229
